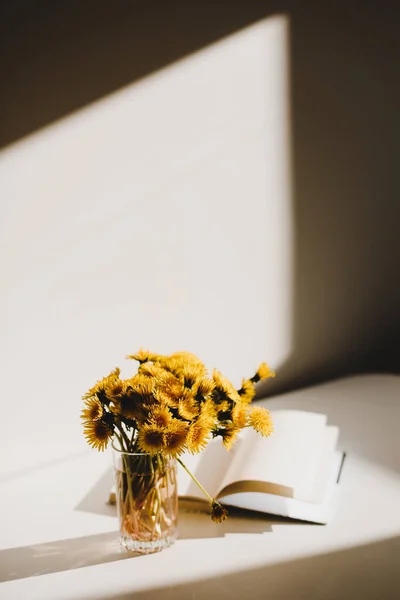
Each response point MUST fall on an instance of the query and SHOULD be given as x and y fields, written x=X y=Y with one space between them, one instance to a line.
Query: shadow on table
x=194 y=521
x=370 y=572
x=60 y=555
x=64 y=555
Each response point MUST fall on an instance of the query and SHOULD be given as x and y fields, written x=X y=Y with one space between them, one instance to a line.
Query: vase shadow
x=60 y=555
x=86 y=551
x=64 y=555
x=194 y=523
x=194 y=520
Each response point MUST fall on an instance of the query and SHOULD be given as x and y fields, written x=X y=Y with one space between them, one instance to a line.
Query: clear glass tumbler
x=147 y=501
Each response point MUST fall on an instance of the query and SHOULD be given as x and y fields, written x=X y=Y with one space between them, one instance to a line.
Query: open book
x=293 y=473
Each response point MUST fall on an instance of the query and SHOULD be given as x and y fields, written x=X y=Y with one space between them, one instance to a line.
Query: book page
x=319 y=512
x=209 y=467
x=289 y=458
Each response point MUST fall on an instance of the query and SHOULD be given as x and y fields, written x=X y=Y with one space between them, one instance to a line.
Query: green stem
x=133 y=435
x=129 y=483
x=125 y=437
x=119 y=440
x=197 y=482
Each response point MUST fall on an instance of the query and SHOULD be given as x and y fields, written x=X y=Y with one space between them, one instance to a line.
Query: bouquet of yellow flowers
x=171 y=405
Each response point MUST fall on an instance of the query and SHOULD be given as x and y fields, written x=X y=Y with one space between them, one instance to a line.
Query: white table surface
x=58 y=537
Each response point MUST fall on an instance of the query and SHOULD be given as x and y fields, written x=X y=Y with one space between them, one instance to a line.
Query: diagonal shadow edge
x=113 y=46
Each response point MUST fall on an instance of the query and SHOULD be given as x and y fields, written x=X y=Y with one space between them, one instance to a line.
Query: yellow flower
x=93 y=410
x=240 y=414
x=143 y=356
x=224 y=388
x=160 y=416
x=167 y=379
x=263 y=372
x=172 y=365
x=187 y=357
x=198 y=436
x=129 y=406
x=229 y=435
x=168 y=389
x=133 y=401
x=224 y=410
x=175 y=437
x=209 y=409
x=218 y=512
x=187 y=407
x=151 y=438
x=98 y=434
x=165 y=399
x=225 y=405
x=150 y=370
x=247 y=391
x=204 y=388
x=143 y=386
x=191 y=374
x=260 y=419
x=115 y=390
x=100 y=389
x=184 y=365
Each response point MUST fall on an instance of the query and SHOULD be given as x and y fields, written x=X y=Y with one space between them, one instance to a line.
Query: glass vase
x=147 y=501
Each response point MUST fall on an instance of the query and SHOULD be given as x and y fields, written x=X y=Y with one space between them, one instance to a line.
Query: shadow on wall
x=346 y=135
x=59 y=57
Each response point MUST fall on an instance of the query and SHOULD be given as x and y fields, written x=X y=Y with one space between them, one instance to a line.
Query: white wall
x=160 y=217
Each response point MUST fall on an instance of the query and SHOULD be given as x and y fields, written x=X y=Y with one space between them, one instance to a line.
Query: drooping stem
x=197 y=482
